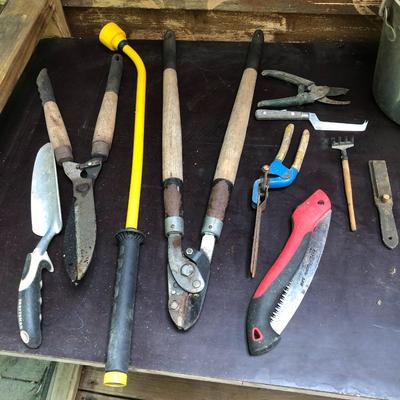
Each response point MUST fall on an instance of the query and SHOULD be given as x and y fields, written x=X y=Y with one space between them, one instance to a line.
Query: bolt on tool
x=189 y=271
x=80 y=230
x=343 y=144
x=308 y=91
x=276 y=175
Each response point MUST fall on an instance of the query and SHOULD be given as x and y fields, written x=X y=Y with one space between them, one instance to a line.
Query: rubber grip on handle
x=29 y=300
x=115 y=73
x=255 y=51
x=169 y=50
x=120 y=339
x=43 y=83
x=260 y=335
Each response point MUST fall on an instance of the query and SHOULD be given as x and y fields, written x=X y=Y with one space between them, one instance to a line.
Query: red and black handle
x=260 y=335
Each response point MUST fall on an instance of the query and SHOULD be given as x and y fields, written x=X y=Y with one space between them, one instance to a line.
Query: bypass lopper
x=308 y=91
x=274 y=176
x=189 y=271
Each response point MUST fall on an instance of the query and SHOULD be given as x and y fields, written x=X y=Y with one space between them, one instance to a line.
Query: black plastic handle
x=261 y=338
x=255 y=51
x=169 y=50
x=120 y=339
x=29 y=300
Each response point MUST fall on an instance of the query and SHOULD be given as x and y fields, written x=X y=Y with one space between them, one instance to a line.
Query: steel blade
x=80 y=231
x=336 y=126
x=297 y=288
x=45 y=200
x=184 y=307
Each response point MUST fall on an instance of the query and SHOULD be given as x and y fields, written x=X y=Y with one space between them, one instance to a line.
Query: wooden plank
x=83 y=395
x=20 y=30
x=221 y=25
x=22 y=379
x=64 y=383
x=161 y=387
x=353 y=7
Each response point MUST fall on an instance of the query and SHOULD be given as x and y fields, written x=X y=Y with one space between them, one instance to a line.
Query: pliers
x=275 y=175
x=308 y=91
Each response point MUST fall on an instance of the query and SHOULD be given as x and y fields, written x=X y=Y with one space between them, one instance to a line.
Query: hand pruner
x=274 y=176
x=80 y=230
x=308 y=91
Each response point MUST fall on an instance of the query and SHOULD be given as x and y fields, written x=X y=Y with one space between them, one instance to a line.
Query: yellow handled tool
x=130 y=238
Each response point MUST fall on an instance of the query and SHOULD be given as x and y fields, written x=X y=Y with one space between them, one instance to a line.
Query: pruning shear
x=308 y=91
x=80 y=231
x=275 y=176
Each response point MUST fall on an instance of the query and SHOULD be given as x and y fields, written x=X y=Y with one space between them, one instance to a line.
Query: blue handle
x=281 y=177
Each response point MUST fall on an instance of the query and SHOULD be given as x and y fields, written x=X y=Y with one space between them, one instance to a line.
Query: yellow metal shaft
x=132 y=216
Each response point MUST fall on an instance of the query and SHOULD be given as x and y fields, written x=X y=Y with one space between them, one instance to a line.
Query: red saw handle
x=260 y=335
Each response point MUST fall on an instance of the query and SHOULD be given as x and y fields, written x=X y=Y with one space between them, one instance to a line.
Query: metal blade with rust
x=80 y=231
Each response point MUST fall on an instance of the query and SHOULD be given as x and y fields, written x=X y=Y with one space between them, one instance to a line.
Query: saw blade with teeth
x=294 y=292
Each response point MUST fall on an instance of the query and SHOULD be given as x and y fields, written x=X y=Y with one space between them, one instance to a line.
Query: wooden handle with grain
x=349 y=193
x=171 y=124
x=235 y=134
x=55 y=125
x=105 y=124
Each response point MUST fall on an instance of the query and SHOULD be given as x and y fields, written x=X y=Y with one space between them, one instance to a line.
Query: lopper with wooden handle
x=189 y=271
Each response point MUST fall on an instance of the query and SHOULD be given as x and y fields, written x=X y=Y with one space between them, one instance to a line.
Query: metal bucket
x=386 y=86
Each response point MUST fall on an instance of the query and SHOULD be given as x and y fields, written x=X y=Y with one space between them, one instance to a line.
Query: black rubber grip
x=29 y=304
x=169 y=50
x=44 y=86
x=261 y=338
x=255 y=51
x=115 y=73
x=120 y=339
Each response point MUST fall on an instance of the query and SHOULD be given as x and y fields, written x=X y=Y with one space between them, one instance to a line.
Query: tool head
x=80 y=230
x=342 y=143
x=45 y=200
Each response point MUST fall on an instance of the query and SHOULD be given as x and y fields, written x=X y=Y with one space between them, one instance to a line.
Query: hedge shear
x=80 y=230
x=275 y=176
x=308 y=91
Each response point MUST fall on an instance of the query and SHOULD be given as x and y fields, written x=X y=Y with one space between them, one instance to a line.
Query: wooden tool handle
x=55 y=125
x=171 y=128
x=287 y=137
x=349 y=193
x=301 y=151
x=105 y=124
x=235 y=134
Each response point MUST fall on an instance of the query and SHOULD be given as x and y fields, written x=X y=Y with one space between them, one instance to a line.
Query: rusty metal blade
x=80 y=231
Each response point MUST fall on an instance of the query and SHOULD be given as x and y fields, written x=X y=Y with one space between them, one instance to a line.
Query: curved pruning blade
x=294 y=293
x=184 y=307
